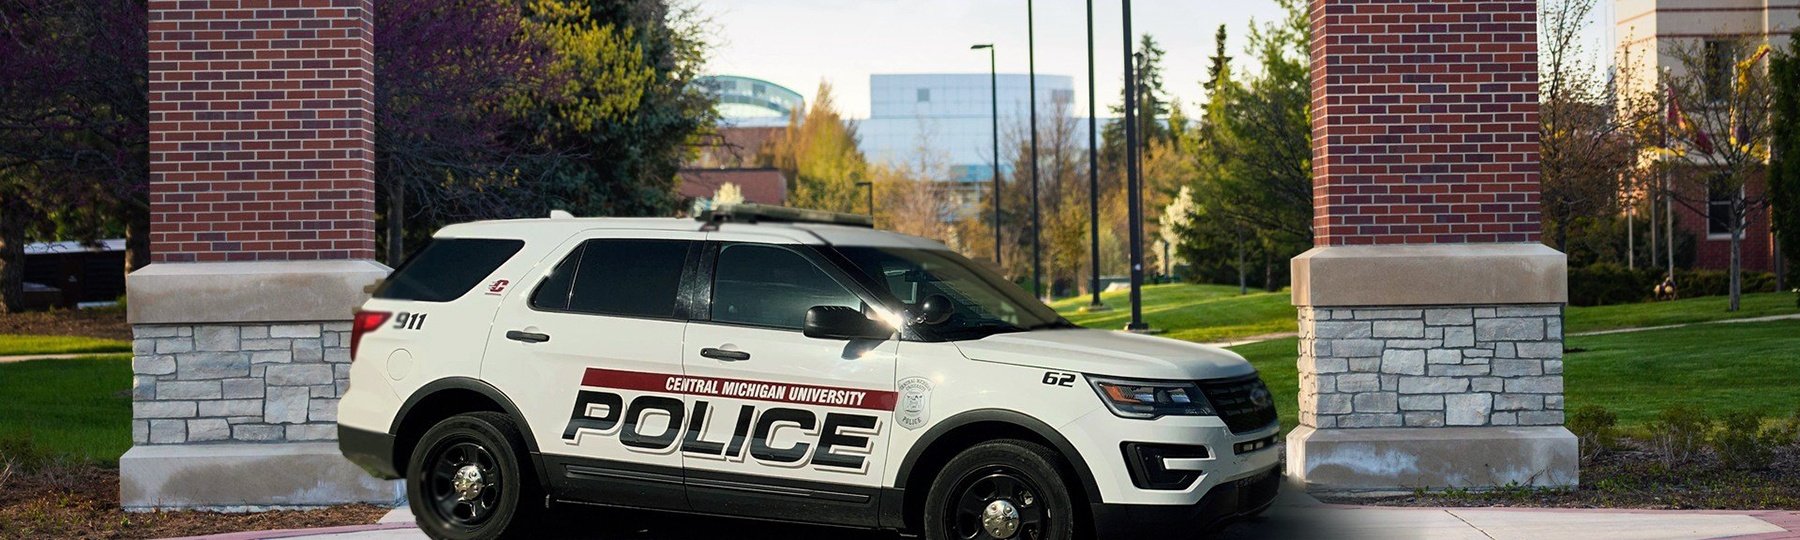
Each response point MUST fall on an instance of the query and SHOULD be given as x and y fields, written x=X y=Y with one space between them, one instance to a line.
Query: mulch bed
x=1632 y=477
x=82 y=501
x=94 y=323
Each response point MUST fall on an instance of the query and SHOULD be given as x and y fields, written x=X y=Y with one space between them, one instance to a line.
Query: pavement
x=1294 y=516
x=31 y=357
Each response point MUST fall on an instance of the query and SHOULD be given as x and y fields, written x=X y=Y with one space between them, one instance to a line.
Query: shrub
x=1743 y=443
x=1596 y=428
x=1677 y=434
x=22 y=453
x=1608 y=283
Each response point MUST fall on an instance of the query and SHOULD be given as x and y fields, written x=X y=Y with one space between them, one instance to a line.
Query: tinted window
x=447 y=268
x=984 y=303
x=632 y=278
x=553 y=294
x=771 y=286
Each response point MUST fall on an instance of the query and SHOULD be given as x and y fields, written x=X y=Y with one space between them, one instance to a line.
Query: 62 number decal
x=409 y=321
x=1057 y=378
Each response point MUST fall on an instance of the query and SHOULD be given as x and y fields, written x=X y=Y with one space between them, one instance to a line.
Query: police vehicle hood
x=1115 y=354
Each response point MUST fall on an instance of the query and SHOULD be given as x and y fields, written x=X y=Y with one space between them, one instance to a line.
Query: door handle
x=528 y=337
x=722 y=354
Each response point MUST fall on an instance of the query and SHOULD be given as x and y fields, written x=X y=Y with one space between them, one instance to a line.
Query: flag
x=1680 y=120
x=1738 y=133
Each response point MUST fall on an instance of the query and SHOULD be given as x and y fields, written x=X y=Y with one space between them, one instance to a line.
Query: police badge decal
x=914 y=409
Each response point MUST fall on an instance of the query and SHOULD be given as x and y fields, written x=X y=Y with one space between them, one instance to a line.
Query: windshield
x=985 y=304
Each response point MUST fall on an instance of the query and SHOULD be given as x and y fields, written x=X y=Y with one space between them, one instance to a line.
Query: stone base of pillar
x=237 y=370
x=245 y=477
x=1406 y=459
x=1431 y=367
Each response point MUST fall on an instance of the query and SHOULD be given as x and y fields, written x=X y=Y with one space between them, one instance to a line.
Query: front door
x=788 y=426
x=600 y=318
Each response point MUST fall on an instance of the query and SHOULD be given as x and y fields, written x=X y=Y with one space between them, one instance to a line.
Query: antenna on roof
x=561 y=214
x=753 y=213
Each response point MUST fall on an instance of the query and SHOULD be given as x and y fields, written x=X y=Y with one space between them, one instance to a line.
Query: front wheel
x=466 y=480
x=1001 y=490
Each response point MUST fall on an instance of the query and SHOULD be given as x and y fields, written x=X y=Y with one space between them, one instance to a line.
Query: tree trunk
x=1269 y=274
x=1243 y=273
x=396 y=225
x=12 y=257
x=137 y=238
x=1737 y=277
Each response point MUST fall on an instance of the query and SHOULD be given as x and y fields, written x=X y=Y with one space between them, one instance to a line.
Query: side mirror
x=846 y=323
x=934 y=309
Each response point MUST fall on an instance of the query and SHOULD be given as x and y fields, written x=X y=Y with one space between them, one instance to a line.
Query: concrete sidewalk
x=1294 y=516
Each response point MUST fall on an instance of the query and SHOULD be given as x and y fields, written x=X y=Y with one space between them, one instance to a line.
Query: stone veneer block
x=1406 y=459
x=1458 y=274
x=238 y=477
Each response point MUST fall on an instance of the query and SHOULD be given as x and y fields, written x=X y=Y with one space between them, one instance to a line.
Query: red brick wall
x=1714 y=252
x=261 y=130
x=1425 y=118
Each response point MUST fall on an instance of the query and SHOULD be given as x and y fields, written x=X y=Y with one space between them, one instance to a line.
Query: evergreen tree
x=1784 y=168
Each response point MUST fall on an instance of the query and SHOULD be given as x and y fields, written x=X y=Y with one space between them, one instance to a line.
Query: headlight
x=1152 y=399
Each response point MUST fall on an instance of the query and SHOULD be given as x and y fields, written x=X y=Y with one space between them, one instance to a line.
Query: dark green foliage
x=1784 y=169
x=1597 y=429
x=1678 y=433
x=1608 y=284
x=1743 y=443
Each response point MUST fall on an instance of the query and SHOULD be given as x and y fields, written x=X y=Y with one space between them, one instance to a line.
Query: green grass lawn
x=1716 y=368
x=78 y=408
x=1685 y=311
x=1200 y=313
x=13 y=345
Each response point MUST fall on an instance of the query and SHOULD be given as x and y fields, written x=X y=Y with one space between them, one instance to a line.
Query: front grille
x=1244 y=403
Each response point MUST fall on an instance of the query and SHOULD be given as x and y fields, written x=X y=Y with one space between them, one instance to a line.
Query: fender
x=1044 y=431
x=474 y=385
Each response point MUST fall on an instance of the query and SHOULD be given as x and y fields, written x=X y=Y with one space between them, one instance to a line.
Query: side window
x=771 y=286
x=553 y=294
x=628 y=278
x=447 y=268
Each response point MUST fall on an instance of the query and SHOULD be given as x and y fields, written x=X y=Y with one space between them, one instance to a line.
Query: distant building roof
x=735 y=147
x=47 y=248
x=761 y=186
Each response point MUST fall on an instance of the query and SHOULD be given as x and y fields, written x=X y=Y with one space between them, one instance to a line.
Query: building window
x=1718 y=70
x=1718 y=210
x=924 y=95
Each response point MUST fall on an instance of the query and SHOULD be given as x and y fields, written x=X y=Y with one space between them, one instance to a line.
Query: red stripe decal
x=850 y=398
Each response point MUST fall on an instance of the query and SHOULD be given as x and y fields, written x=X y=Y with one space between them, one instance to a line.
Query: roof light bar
x=753 y=213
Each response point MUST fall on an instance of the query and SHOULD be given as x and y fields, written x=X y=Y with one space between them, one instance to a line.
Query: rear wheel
x=1001 y=490
x=467 y=479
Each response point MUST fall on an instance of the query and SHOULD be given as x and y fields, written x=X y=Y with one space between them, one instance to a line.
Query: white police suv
x=786 y=365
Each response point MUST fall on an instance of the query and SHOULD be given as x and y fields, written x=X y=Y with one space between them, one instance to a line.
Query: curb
x=292 y=533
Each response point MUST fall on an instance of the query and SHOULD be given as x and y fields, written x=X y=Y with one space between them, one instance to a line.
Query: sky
x=798 y=43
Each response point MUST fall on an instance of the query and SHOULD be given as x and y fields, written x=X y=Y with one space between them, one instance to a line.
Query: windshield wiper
x=1059 y=323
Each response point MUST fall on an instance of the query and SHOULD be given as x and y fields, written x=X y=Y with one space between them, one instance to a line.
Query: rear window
x=630 y=278
x=447 y=268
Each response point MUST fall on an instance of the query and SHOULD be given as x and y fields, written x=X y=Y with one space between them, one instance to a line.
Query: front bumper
x=371 y=450
x=1225 y=503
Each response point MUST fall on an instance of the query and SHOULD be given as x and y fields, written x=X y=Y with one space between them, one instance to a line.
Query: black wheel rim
x=463 y=483
x=980 y=490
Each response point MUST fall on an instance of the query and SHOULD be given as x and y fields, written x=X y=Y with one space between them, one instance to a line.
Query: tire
x=1022 y=474
x=507 y=500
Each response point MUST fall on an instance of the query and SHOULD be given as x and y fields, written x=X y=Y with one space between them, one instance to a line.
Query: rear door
x=597 y=318
x=793 y=427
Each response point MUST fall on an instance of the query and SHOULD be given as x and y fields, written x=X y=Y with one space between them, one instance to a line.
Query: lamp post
x=871 y=192
x=994 y=86
x=1093 y=176
x=1037 y=260
x=1132 y=187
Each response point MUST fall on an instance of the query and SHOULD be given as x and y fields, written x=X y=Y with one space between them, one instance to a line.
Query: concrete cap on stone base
x=1405 y=459
x=1431 y=275
x=249 y=292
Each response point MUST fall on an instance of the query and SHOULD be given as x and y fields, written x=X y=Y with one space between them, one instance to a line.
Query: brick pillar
x=262 y=234
x=1430 y=316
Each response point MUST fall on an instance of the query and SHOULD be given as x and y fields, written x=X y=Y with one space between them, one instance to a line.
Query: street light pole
x=1037 y=261
x=1132 y=187
x=994 y=87
x=1093 y=175
x=871 y=193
